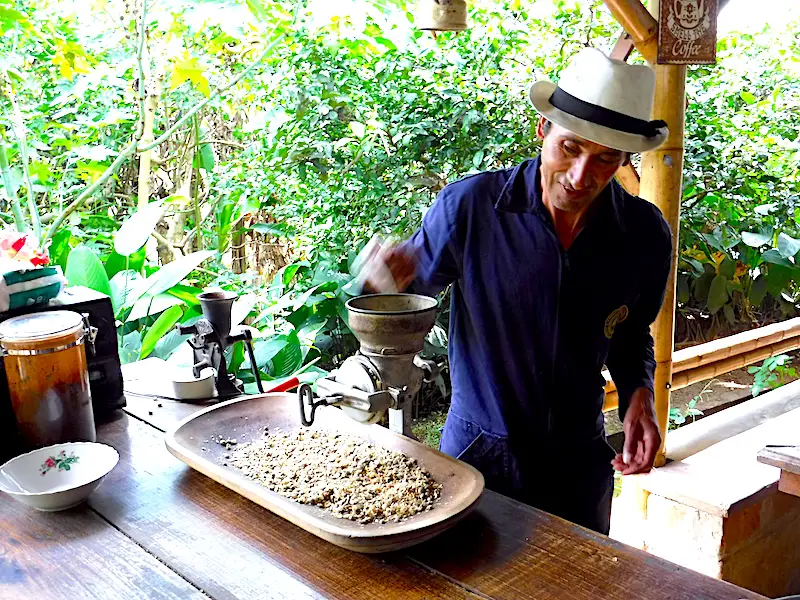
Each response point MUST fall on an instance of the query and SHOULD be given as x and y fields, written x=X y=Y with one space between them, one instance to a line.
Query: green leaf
x=84 y=268
x=682 y=289
x=276 y=229
x=116 y=262
x=307 y=334
x=775 y=257
x=696 y=265
x=152 y=305
x=748 y=97
x=129 y=349
x=156 y=331
x=135 y=231
x=59 y=248
x=242 y=307
x=756 y=240
x=11 y=19
x=702 y=287
x=727 y=268
x=787 y=246
x=730 y=315
x=122 y=284
x=204 y=158
x=187 y=293
x=757 y=291
x=717 y=294
x=265 y=350
x=257 y=9
x=167 y=345
x=778 y=277
x=173 y=273
x=291 y=270
x=189 y=69
x=289 y=359
x=477 y=159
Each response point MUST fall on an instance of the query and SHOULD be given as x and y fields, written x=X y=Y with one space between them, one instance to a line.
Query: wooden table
x=787 y=459
x=156 y=528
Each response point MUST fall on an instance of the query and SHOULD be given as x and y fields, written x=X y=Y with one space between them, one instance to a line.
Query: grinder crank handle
x=304 y=392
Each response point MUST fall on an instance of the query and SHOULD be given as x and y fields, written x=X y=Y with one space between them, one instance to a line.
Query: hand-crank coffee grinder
x=211 y=336
x=387 y=371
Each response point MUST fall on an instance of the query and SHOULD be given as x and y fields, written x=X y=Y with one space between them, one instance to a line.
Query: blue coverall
x=532 y=325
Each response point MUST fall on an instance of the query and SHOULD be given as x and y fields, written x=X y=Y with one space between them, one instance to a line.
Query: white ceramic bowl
x=187 y=387
x=59 y=476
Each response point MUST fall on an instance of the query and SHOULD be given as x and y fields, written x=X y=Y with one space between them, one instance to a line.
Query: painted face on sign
x=689 y=12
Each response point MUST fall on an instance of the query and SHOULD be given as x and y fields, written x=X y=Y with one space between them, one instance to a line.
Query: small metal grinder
x=211 y=336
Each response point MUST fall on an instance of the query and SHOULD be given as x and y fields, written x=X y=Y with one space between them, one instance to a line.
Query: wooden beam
x=639 y=24
x=623 y=48
x=629 y=179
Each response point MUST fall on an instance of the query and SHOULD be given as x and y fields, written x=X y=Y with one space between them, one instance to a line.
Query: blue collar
x=522 y=193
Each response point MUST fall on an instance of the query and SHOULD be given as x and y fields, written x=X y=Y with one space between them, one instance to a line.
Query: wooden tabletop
x=155 y=528
x=787 y=459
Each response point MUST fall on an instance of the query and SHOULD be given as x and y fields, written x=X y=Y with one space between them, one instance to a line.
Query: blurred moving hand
x=385 y=267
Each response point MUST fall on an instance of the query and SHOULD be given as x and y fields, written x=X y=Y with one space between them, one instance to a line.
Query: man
x=556 y=271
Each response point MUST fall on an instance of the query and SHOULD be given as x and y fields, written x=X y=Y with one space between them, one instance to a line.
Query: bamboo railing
x=714 y=358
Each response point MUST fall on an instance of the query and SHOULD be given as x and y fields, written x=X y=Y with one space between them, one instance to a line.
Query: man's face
x=574 y=171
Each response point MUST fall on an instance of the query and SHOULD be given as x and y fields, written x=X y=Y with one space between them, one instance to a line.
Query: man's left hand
x=642 y=437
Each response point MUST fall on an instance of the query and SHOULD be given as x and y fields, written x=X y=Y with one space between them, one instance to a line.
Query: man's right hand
x=388 y=269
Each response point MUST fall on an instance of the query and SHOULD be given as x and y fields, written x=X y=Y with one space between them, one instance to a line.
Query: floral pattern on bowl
x=59 y=476
x=62 y=461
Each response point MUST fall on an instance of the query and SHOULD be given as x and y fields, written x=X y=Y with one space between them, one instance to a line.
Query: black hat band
x=604 y=116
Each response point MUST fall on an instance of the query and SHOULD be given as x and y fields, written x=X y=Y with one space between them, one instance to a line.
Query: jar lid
x=38 y=326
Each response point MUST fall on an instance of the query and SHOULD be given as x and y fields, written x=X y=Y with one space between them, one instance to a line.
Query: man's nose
x=580 y=175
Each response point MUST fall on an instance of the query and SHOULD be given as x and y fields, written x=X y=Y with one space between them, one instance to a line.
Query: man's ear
x=540 y=132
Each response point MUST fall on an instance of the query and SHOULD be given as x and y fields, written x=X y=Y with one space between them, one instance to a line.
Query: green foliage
x=350 y=128
x=740 y=218
x=773 y=373
x=678 y=417
x=84 y=268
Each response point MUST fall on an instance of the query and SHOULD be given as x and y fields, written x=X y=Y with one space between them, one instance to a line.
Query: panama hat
x=603 y=100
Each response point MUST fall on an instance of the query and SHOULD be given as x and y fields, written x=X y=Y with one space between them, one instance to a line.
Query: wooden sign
x=687 y=32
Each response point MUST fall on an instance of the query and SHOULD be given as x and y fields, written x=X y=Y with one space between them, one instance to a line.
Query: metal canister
x=48 y=377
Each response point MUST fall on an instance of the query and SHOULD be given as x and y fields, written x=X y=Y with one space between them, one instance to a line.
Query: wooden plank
x=504 y=550
x=785 y=458
x=230 y=547
x=508 y=551
x=75 y=554
x=789 y=483
x=639 y=23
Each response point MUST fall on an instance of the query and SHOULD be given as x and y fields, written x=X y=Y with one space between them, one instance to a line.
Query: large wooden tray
x=192 y=441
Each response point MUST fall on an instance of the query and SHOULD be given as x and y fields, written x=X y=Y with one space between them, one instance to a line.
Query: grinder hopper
x=387 y=371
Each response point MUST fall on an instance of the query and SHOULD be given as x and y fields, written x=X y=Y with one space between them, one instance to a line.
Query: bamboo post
x=661 y=181
x=661 y=178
